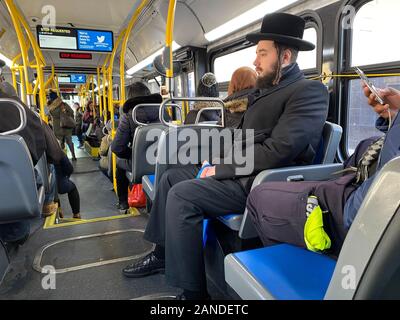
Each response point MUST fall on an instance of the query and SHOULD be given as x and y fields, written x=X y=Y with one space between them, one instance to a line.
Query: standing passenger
x=63 y=134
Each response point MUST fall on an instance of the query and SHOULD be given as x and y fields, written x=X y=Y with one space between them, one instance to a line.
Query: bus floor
x=89 y=257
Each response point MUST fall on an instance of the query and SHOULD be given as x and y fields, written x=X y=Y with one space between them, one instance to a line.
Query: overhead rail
x=21 y=25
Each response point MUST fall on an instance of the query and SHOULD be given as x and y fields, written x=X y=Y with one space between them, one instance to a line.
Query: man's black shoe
x=182 y=296
x=146 y=266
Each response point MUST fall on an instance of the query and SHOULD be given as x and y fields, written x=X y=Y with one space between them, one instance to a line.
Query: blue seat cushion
x=152 y=178
x=289 y=272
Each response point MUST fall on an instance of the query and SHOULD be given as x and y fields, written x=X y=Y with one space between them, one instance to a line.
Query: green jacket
x=55 y=112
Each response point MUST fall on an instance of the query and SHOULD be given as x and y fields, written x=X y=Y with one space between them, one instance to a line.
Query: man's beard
x=268 y=81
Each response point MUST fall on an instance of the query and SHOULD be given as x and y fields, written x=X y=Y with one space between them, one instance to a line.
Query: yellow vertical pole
x=99 y=93
x=124 y=47
x=18 y=19
x=111 y=101
x=169 y=36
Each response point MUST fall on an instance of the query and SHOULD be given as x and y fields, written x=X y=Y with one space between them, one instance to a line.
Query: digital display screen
x=78 y=78
x=75 y=39
x=64 y=79
x=89 y=40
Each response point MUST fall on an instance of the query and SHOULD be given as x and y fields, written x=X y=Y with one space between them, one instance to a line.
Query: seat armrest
x=308 y=173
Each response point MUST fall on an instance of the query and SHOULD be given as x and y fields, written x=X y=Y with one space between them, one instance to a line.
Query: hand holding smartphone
x=370 y=85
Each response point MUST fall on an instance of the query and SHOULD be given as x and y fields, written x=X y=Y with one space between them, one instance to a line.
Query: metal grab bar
x=212 y=109
x=157 y=105
x=22 y=115
x=200 y=99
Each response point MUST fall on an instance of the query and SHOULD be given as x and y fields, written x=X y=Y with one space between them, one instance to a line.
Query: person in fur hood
x=242 y=83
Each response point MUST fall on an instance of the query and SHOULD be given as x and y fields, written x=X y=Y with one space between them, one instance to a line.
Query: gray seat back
x=331 y=135
x=43 y=169
x=197 y=148
x=145 y=142
x=369 y=262
x=19 y=197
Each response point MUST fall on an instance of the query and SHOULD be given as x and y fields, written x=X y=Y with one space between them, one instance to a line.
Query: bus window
x=308 y=59
x=192 y=84
x=367 y=33
x=373 y=28
x=224 y=66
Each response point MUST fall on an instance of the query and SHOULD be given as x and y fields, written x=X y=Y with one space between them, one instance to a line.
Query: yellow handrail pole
x=14 y=69
x=93 y=97
x=57 y=85
x=24 y=51
x=111 y=102
x=169 y=36
x=51 y=78
x=124 y=46
x=110 y=80
x=17 y=18
x=105 y=75
x=99 y=92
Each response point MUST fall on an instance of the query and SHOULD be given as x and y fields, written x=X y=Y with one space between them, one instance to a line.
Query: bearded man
x=286 y=112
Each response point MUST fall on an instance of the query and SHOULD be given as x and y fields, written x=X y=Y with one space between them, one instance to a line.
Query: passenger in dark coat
x=287 y=114
x=137 y=93
x=207 y=88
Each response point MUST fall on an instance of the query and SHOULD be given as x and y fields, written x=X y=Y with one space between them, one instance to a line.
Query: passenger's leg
x=74 y=201
x=67 y=186
x=188 y=204
x=122 y=187
x=155 y=230
x=71 y=146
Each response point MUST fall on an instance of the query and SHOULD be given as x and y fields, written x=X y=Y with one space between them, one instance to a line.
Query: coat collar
x=55 y=104
x=291 y=74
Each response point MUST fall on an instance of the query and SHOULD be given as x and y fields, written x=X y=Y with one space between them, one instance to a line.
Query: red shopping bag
x=137 y=197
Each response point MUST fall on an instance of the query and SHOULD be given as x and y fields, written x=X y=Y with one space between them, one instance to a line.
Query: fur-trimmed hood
x=237 y=106
x=55 y=104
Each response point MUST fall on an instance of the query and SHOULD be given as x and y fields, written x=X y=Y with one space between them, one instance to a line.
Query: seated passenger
x=287 y=114
x=242 y=83
x=122 y=144
x=207 y=88
x=280 y=210
x=63 y=170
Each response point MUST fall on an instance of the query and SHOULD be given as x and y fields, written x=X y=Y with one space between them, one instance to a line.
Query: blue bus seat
x=288 y=272
x=368 y=261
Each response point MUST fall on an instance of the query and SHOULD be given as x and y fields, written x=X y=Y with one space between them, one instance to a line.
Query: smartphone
x=369 y=84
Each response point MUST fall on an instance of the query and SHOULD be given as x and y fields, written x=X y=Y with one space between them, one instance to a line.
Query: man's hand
x=389 y=95
x=207 y=170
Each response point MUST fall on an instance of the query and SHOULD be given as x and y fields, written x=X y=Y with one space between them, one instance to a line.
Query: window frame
x=343 y=66
x=313 y=20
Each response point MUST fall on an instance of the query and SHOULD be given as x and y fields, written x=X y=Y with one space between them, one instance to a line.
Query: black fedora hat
x=283 y=28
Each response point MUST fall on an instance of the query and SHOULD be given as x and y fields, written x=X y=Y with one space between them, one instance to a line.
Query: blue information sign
x=89 y=40
x=78 y=78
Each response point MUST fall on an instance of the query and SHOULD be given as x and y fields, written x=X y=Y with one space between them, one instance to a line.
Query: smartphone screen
x=369 y=84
